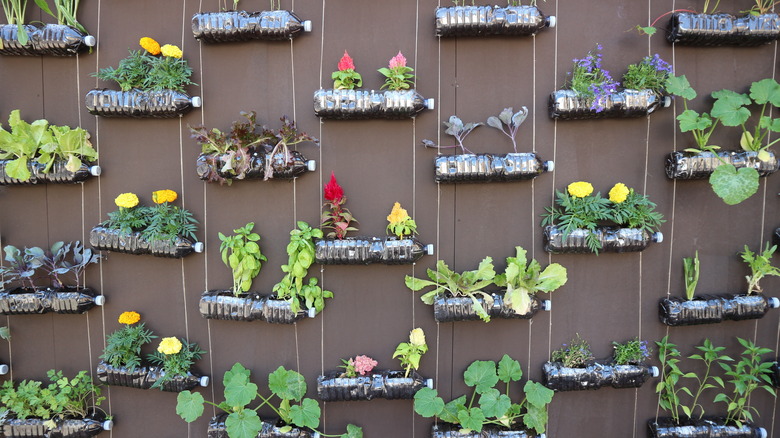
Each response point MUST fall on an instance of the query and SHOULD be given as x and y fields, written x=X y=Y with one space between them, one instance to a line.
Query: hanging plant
x=514 y=19
x=234 y=25
x=66 y=38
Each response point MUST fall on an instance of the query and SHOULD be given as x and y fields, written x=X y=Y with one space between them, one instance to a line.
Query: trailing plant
x=400 y=223
x=175 y=358
x=153 y=69
x=590 y=80
x=300 y=252
x=633 y=352
x=346 y=78
x=748 y=374
x=492 y=407
x=160 y=222
x=523 y=279
x=457 y=129
x=334 y=216
x=691 y=273
x=575 y=354
x=359 y=365
x=465 y=284
x=399 y=76
x=42 y=143
x=56 y=262
x=512 y=120
x=241 y=253
x=651 y=73
x=579 y=208
x=410 y=353
x=123 y=346
x=760 y=266
x=66 y=12
x=63 y=398
x=288 y=386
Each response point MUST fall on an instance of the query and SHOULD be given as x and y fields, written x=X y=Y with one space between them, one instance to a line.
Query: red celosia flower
x=333 y=191
x=346 y=62
x=398 y=61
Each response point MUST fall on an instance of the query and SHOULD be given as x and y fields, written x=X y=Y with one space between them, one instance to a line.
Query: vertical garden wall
x=609 y=297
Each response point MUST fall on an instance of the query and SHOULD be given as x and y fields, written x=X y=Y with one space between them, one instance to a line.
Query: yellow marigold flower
x=170 y=345
x=398 y=214
x=126 y=200
x=161 y=196
x=580 y=189
x=129 y=318
x=417 y=337
x=150 y=45
x=618 y=193
x=171 y=51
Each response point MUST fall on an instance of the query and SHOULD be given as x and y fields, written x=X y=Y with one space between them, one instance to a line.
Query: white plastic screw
x=429 y=249
x=3 y=369
x=89 y=41
x=95 y=171
x=658 y=237
x=311 y=165
x=307 y=26
x=430 y=104
x=654 y=371
x=100 y=300
x=429 y=383
x=774 y=302
x=197 y=247
x=549 y=165
x=196 y=101
x=312 y=312
x=552 y=20
x=547 y=305
x=108 y=425
x=204 y=381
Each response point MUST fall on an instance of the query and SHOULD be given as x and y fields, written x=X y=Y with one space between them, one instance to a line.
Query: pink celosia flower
x=363 y=364
x=398 y=61
x=346 y=62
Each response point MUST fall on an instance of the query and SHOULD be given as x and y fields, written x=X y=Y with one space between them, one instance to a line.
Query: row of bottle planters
x=230 y=26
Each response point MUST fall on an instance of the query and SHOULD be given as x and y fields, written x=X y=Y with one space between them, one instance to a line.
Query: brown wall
x=609 y=297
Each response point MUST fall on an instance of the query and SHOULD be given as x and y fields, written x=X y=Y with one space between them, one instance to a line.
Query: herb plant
x=241 y=253
x=174 y=357
x=522 y=279
x=492 y=407
x=575 y=354
x=300 y=252
x=288 y=386
x=691 y=273
x=123 y=346
x=465 y=284
x=760 y=266
x=334 y=215
x=410 y=353
x=512 y=120
x=749 y=373
x=457 y=129
x=153 y=69
x=633 y=352
x=399 y=76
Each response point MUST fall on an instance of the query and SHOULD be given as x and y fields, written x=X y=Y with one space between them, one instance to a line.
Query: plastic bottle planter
x=112 y=240
x=665 y=427
x=712 y=309
x=139 y=104
x=258 y=160
x=68 y=300
x=222 y=304
x=369 y=104
x=365 y=250
x=44 y=39
x=57 y=174
x=597 y=375
x=447 y=430
x=568 y=105
x=613 y=239
x=448 y=309
x=699 y=165
x=490 y=20
x=230 y=26
x=723 y=29
x=390 y=385
x=70 y=428
x=271 y=429
x=145 y=377
x=489 y=167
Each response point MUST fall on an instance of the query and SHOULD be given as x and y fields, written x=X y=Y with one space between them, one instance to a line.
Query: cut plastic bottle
x=298 y=165
x=113 y=240
x=233 y=26
x=390 y=385
x=490 y=20
x=44 y=39
x=723 y=29
x=369 y=104
x=713 y=309
x=57 y=174
x=613 y=239
x=699 y=165
x=365 y=250
x=594 y=376
x=490 y=167
x=448 y=309
x=569 y=105
x=67 y=300
x=222 y=304
x=145 y=377
x=139 y=104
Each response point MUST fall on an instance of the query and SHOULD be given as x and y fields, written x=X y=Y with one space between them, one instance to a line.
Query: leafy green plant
x=123 y=346
x=42 y=143
x=285 y=137
x=160 y=222
x=241 y=253
x=575 y=354
x=300 y=252
x=691 y=273
x=175 y=358
x=58 y=261
x=749 y=373
x=457 y=129
x=633 y=352
x=760 y=266
x=465 y=284
x=667 y=390
x=22 y=265
x=651 y=73
x=288 y=386
x=512 y=120
x=492 y=407
x=410 y=353
x=66 y=12
x=523 y=279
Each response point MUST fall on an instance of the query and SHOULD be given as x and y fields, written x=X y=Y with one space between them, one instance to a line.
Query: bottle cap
x=654 y=371
x=196 y=101
x=197 y=247
x=307 y=26
x=3 y=369
x=774 y=302
x=312 y=312
x=429 y=249
x=430 y=104
x=551 y=21
x=549 y=165
x=89 y=41
x=429 y=383
x=547 y=305
x=667 y=101
x=108 y=425
x=658 y=237
x=95 y=170
x=761 y=432
x=100 y=300
x=311 y=165
x=204 y=381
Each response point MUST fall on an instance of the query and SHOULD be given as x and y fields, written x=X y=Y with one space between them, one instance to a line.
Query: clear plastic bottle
x=699 y=165
x=369 y=104
x=137 y=103
x=713 y=309
x=489 y=167
x=44 y=39
x=365 y=250
x=490 y=20
x=613 y=239
x=298 y=165
x=230 y=26
x=723 y=29
x=57 y=174
x=113 y=240
x=568 y=105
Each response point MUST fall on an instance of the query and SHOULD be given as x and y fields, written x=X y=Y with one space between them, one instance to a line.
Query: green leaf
x=509 y=370
x=553 y=277
x=494 y=404
x=472 y=419
x=307 y=414
x=427 y=402
x=481 y=375
x=535 y=418
x=189 y=405
x=451 y=409
x=690 y=120
x=18 y=169
x=287 y=384
x=679 y=86
x=537 y=394
x=766 y=90
x=729 y=107
x=732 y=185
x=239 y=391
x=648 y=30
x=243 y=424
x=353 y=432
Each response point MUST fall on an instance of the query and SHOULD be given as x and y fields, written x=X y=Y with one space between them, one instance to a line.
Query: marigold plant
x=153 y=69
x=171 y=51
x=123 y=347
x=175 y=358
x=400 y=223
x=126 y=200
x=580 y=189
x=129 y=318
x=150 y=45
x=161 y=196
x=618 y=193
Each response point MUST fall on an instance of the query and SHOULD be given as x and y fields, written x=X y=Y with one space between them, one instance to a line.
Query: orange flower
x=129 y=318
x=150 y=45
x=162 y=196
